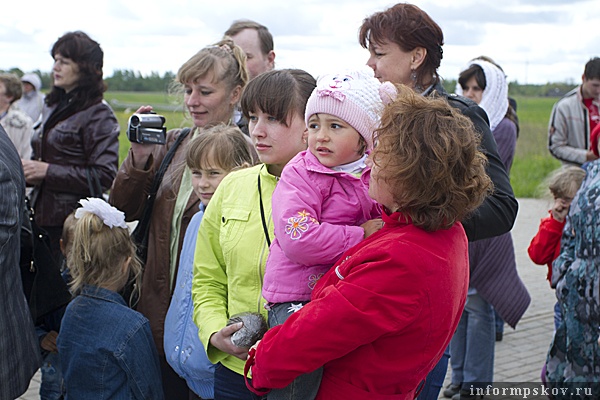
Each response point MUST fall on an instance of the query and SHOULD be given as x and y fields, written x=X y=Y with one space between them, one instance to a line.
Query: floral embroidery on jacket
x=296 y=226
x=313 y=279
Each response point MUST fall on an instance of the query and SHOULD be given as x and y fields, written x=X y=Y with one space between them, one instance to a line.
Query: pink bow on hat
x=332 y=93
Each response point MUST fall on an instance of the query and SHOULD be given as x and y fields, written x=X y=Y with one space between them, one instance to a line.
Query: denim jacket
x=106 y=349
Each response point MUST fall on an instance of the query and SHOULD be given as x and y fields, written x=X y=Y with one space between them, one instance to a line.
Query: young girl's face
x=206 y=180
x=332 y=140
x=275 y=143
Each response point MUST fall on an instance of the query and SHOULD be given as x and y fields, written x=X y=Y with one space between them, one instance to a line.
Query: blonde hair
x=564 y=181
x=224 y=59
x=225 y=145
x=98 y=253
x=68 y=233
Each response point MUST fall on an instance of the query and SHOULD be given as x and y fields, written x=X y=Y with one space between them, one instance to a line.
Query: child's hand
x=222 y=341
x=49 y=342
x=560 y=209
x=372 y=226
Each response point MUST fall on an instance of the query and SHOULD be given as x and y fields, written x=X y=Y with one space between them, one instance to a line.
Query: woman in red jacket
x=381 y=318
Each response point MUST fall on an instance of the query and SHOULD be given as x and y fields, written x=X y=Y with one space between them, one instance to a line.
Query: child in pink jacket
x=321 y=205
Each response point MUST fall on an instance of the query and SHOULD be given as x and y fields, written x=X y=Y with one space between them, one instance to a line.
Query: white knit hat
x=494 y=99
x=352 y=96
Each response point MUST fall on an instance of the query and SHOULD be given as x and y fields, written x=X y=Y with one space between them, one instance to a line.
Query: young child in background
x=106 y=349
x=210 y=157
x=52 y=384
x=563 y=183
x=321 y=205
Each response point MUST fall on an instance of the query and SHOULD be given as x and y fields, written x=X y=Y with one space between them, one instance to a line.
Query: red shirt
x=379 y=319
x=593 y=113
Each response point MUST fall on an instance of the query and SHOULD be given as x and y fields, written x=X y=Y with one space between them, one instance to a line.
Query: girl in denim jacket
x=321 y=205
x=106 y=349
x=210 y=157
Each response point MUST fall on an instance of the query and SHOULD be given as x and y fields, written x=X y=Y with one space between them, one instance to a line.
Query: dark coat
x=18 y=344
x=84 y=143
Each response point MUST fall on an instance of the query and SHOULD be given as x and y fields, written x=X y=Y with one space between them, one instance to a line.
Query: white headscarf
x=494 y=99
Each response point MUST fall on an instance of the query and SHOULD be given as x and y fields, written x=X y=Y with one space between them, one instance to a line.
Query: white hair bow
x=107 y=213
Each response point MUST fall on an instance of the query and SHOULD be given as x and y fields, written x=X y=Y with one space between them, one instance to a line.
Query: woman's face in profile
x=210 y=102
x=379 y=190
x=390 y=63
x=65 y=73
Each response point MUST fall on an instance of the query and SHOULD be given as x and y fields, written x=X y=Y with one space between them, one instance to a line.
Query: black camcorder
x=147 y=128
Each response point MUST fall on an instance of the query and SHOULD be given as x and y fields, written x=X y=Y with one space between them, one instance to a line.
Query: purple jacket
x=316 y=213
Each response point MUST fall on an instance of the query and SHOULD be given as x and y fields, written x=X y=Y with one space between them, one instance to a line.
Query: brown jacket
x=88 y=139
x=129 y=193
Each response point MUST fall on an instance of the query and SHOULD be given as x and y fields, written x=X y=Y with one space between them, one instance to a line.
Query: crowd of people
x=364 y=215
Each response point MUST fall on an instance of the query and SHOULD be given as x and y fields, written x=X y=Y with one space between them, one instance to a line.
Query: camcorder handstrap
x=140 y=233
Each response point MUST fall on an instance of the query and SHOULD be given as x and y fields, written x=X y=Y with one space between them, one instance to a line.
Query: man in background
x=257 y=42
x=18 y=344
x=573 y=118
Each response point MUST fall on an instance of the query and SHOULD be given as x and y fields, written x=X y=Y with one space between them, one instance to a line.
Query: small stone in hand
x=254 y=328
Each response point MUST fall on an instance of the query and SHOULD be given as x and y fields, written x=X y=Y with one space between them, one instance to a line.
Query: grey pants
x=304 y=387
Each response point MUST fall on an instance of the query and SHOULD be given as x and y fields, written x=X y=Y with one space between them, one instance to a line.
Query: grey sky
x=534 y=41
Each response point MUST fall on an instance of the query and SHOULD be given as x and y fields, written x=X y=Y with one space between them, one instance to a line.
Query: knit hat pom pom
x=387 y=92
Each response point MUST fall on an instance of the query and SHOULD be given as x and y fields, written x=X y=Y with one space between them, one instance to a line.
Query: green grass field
x=532 y=161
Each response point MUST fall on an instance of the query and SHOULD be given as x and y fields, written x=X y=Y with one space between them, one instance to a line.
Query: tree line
x=132 y=81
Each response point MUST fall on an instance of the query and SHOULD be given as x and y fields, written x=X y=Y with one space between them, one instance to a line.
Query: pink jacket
x=316 y=213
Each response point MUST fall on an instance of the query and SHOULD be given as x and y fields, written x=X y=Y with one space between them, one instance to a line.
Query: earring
x=413 y=76
x=416 y=85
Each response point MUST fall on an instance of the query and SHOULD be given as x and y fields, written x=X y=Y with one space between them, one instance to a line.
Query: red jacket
x=545 y=245
x=379 y=320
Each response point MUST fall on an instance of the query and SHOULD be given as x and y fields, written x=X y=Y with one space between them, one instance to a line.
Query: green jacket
x=230 y=258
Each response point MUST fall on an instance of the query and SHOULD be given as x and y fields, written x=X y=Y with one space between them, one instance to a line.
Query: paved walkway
x=520 y=356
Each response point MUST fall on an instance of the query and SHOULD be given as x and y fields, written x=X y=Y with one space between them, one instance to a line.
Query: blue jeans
x=51 y=385
x=499 y=322
x=435 y=379
x=473 y=344
x=230 y=385
x=304 y=387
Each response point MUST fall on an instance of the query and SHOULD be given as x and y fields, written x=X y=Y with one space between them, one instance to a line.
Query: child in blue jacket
x=210 y=157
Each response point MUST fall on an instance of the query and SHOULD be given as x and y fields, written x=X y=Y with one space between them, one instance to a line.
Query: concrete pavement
x=520 y=356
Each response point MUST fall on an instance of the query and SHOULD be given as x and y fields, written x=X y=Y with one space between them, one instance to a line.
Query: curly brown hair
x=427 y=153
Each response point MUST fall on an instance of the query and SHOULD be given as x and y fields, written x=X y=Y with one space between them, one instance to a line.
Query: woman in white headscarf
x=494 y=280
